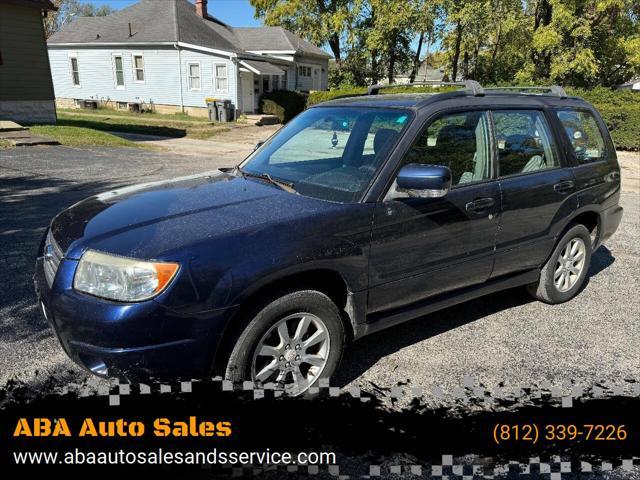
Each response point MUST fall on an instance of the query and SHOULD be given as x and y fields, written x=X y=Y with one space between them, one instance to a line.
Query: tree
x=67 y=10
x=319 y=21
x=361 y=64
x=391 y=33
x=426 y=13
x=454 y=21
x=584 y=42
x=578 y=42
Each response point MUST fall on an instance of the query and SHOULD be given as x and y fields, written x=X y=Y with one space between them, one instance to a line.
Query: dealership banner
x=220 y=429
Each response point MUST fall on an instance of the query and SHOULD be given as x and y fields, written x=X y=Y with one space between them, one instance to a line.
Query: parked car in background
x=359 y=214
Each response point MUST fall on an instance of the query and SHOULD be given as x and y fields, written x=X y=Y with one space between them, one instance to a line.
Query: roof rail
x=556 y=90
x=471 y=86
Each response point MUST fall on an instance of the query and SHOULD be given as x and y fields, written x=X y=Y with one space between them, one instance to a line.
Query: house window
x=138 y=68
x=123 y=105
x=275 y=82
x=221 y=77
x=75 y=73
x=194 y=76
x=304 y=71
x=119 y=71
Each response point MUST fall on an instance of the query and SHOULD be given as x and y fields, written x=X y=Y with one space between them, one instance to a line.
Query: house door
x=316 y=78
x=246 y=86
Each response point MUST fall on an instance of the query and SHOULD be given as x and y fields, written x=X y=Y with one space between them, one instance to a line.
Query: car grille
x=52 y=257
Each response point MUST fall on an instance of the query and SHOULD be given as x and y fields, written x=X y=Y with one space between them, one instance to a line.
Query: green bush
x=623 y=123
x=283 y=104
x=620 y=109
x=319 y=97
x=601 y=95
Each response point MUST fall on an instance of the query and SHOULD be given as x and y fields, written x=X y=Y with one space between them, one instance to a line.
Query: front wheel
x=291 y=342
x=564 y=273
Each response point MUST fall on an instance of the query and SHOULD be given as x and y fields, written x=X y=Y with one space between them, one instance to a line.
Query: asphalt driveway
x=503 y=339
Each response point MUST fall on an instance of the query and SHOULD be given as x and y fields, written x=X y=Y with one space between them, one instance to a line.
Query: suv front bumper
x=138 y=341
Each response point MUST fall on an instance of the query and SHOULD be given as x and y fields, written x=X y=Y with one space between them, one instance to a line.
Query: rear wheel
x=290 y=343
x=564 y=273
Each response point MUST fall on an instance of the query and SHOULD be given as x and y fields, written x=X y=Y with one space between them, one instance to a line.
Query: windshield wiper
x=286 y=186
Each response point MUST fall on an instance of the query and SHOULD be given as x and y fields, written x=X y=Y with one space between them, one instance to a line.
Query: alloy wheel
x=570 y=264
x=292 y=354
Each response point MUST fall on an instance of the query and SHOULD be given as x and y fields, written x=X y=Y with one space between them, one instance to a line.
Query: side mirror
x=424 y=181
x=258 y=145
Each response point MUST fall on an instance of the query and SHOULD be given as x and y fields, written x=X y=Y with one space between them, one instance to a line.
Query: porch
x=256 y=78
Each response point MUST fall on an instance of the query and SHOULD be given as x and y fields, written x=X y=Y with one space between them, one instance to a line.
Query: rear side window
x=584 y=134
x=459 y=141
x=524 y=142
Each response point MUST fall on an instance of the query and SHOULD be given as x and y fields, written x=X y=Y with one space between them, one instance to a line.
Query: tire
x=304 y=360
x=558 y=282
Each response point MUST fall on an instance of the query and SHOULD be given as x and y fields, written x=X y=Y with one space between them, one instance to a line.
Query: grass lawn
x=5 y=143
x=162 y=117
x=82 y=137
x=177 y=125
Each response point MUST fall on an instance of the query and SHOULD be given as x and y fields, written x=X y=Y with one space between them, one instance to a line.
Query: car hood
x=151 y=220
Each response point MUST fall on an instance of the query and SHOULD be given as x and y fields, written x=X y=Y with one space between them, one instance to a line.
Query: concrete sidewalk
x=234 y=144
x=20 y=136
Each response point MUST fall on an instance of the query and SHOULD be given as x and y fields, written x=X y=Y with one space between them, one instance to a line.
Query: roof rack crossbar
x=471 y=86
x=556 y=90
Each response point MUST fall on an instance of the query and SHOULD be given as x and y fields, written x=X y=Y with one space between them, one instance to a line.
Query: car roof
x=418 y=101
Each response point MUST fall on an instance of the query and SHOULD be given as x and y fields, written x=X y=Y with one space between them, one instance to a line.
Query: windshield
x=330 y=153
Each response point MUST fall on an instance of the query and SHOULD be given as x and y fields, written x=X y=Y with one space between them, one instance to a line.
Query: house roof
x=262 y=68
x=41 y=4
x=159 y=21
x=192 y=28
x=275 y=38
x=151 y=21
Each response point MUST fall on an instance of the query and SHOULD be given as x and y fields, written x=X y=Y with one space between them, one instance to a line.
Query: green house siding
x=24 y=71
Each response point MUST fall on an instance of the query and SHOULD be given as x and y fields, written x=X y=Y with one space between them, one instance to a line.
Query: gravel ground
x=36 y=183
x=503 y=339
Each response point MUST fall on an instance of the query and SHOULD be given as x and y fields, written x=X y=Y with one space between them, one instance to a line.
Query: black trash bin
x=212 y=107
x=230 y=111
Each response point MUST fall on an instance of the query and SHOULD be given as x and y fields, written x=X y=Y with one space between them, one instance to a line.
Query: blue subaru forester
x=359 y=214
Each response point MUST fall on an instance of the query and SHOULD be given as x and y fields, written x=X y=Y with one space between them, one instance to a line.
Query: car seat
x=383 y=140
x=455 y=148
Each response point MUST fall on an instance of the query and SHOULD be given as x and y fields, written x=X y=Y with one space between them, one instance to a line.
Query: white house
x=423 y=74
x=633 y=85
x=170 y=54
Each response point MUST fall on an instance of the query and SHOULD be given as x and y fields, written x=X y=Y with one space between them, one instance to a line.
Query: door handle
x=480 y=204
x=564 y=187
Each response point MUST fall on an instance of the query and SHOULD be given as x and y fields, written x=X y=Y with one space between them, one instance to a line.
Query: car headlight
x=122 y=279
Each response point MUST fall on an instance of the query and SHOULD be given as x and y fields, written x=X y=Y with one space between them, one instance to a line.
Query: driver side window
x=459 y=141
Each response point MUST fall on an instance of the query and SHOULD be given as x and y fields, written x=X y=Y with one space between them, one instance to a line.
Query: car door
x=595 y=166
x=537 y=189
x=425 y=246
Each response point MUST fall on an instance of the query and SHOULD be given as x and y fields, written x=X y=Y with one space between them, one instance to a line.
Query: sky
x=238 y=13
